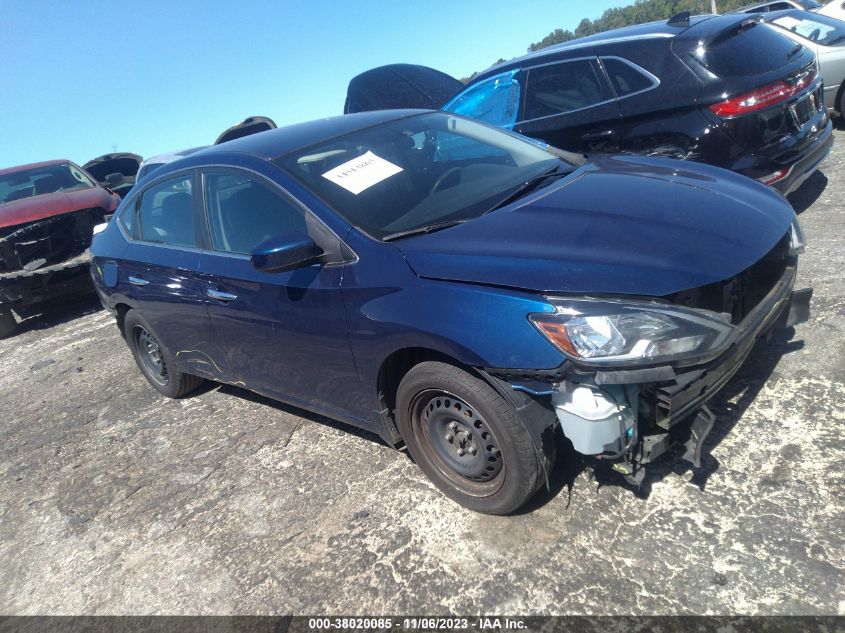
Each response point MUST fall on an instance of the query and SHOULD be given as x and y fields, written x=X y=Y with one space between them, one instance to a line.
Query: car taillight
x=760 y=98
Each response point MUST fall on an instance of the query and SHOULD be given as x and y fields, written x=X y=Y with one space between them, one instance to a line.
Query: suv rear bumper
x=804 y=167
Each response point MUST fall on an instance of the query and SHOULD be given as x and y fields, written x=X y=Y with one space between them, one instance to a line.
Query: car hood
x=617 y=225
x=398 y=86
x=51 y=204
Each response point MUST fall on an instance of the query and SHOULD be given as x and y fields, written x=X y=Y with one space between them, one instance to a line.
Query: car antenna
x=679 y=19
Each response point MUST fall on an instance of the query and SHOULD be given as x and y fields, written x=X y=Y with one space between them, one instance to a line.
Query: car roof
x=274 y=143
x=637 y=32
x=11 y=170
x=168 y=157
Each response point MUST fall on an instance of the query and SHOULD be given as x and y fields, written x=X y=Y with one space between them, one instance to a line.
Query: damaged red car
x=48 y=212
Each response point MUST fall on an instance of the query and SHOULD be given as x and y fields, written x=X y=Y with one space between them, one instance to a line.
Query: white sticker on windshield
x=361 y=173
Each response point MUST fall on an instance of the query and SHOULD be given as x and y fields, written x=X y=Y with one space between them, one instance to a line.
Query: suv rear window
x=749 y=50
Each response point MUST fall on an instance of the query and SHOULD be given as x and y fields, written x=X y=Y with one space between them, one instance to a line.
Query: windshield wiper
x=429 y=228
x=529 y=185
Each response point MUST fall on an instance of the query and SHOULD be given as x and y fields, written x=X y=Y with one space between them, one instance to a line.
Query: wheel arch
x=394 y=367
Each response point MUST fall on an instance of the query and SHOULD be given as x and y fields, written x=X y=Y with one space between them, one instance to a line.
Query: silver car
x=826 y=37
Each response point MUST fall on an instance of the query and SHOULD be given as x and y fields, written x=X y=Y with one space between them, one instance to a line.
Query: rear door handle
x=597 y=136
x=220 y=295
x=137 y=281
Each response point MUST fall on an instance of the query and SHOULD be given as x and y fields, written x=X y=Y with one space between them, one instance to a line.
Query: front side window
x=494 y=101
x=166 y=213
x=418 y=171
x=243 y=212
x=38 y=181
x=561 y=88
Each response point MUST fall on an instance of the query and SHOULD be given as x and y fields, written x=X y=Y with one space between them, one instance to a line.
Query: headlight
x=796 y=237
x=633 y=333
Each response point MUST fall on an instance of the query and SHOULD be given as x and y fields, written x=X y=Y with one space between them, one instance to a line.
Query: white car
x=825 y=36
x=835 y=9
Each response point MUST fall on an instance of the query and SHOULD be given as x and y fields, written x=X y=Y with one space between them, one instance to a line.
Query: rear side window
x=751 y=50
x=564 y=87
x=243 y=212
x=166 y=213
x=625 y=77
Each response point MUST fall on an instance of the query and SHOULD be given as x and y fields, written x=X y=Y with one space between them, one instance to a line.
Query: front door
x=284 y=333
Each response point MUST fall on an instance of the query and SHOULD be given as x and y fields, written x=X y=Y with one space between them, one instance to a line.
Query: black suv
x=725 y=90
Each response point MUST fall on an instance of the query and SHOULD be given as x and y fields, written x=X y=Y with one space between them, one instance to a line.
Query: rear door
x=284 y=333
x=569 y=104
x=159 y=272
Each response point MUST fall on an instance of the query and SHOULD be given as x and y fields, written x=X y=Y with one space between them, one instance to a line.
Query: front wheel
x=467 y=439
x=154 y=361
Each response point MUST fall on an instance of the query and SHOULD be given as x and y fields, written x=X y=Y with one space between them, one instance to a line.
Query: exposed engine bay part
x=596 y=419
x=250 y=125
x=400 y=86
x=45 y=242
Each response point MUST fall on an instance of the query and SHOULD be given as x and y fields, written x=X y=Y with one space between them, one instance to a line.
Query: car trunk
x=124 y=164
x=400 y=86
x=762 y=89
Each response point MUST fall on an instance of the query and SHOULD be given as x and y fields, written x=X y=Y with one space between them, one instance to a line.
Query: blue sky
x=85 y=77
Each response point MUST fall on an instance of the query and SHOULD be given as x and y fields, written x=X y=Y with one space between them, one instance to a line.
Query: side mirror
x=286 y=252
x=113 y=180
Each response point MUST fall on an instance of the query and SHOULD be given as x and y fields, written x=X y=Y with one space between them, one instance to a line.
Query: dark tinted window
x=242 y=212
x=747 y=51
x=625 y=78
x=166 y=213
x=563 y=87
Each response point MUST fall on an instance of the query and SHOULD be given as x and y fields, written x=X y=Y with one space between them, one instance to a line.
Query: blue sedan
x=454 y=288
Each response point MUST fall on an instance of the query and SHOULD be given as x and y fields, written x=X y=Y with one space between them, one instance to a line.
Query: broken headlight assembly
x=796 y=237
x=632 y=333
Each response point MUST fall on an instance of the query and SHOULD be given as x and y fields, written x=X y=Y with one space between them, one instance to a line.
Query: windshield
x=37 y=181
x=418 y=171
x=815 y=28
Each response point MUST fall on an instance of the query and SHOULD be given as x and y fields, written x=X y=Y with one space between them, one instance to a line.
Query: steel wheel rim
x=458 y=441
x=150 y=355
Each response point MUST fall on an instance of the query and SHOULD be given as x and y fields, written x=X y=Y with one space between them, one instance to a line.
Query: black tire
x=154 y=360
x=435 y=401
x=8 y=325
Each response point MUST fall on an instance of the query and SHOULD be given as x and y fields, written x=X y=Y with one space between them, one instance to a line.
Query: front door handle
x=137 y=281
x=220 y=295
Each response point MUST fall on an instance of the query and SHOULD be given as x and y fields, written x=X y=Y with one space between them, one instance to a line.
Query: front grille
x=738 y=295
x=49 y=241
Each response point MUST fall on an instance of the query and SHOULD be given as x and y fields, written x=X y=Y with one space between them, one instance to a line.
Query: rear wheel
x=154 y=361
x=8 y=324
x=467 y=439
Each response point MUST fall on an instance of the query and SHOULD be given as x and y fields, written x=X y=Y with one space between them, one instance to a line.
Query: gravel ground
x=114 y=500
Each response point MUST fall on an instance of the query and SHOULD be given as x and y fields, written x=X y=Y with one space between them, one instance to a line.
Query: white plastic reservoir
x=596 y=419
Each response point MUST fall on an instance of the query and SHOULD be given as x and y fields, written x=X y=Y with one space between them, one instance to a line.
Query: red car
x=48 y=212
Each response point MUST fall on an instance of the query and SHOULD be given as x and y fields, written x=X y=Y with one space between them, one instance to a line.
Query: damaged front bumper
x=632 y=416
x=24 y=288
